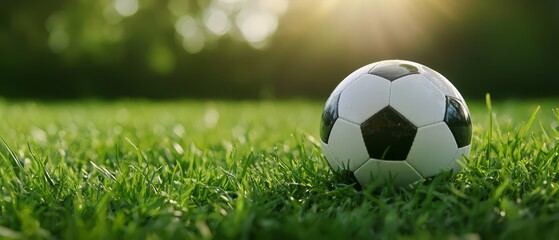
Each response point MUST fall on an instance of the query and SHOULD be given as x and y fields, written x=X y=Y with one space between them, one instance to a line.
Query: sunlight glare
x=278 y=7
x=379 y=24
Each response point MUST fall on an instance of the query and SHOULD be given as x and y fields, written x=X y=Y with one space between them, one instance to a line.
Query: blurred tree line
x=269 y=48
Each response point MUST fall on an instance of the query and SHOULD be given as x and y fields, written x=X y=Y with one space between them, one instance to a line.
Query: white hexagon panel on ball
x=400 y=173
x=364 y=97
x=417 y=99
x=346 y=145
x=432 y=150
x=330 y=158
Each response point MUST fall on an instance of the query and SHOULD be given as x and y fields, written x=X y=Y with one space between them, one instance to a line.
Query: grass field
x=197 y=170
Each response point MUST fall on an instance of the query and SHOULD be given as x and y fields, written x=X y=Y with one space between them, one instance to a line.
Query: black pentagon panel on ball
x=329 y=116
x=388 y=135
x=394 y=69
x=458 y=120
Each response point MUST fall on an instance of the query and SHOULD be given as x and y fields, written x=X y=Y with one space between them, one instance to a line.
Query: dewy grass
x=187 y=169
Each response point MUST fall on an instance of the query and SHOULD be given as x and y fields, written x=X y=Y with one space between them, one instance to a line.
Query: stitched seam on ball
x=358 y=124
x=357 y=168
x=414 y=169
x=430 y=124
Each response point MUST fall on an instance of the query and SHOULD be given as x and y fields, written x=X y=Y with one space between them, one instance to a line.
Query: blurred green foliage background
x=246 y=49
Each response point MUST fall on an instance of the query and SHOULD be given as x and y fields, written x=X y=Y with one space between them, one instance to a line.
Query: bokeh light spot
x=256 y=27
x=194 y=44
x=126 y=8
x=232 y=2
x=186 y=26
x=216 y=21
x=193 y=40
x=58 y=40
x=211 y=118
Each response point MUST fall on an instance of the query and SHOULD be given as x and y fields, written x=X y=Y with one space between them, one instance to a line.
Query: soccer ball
x=395 y=121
